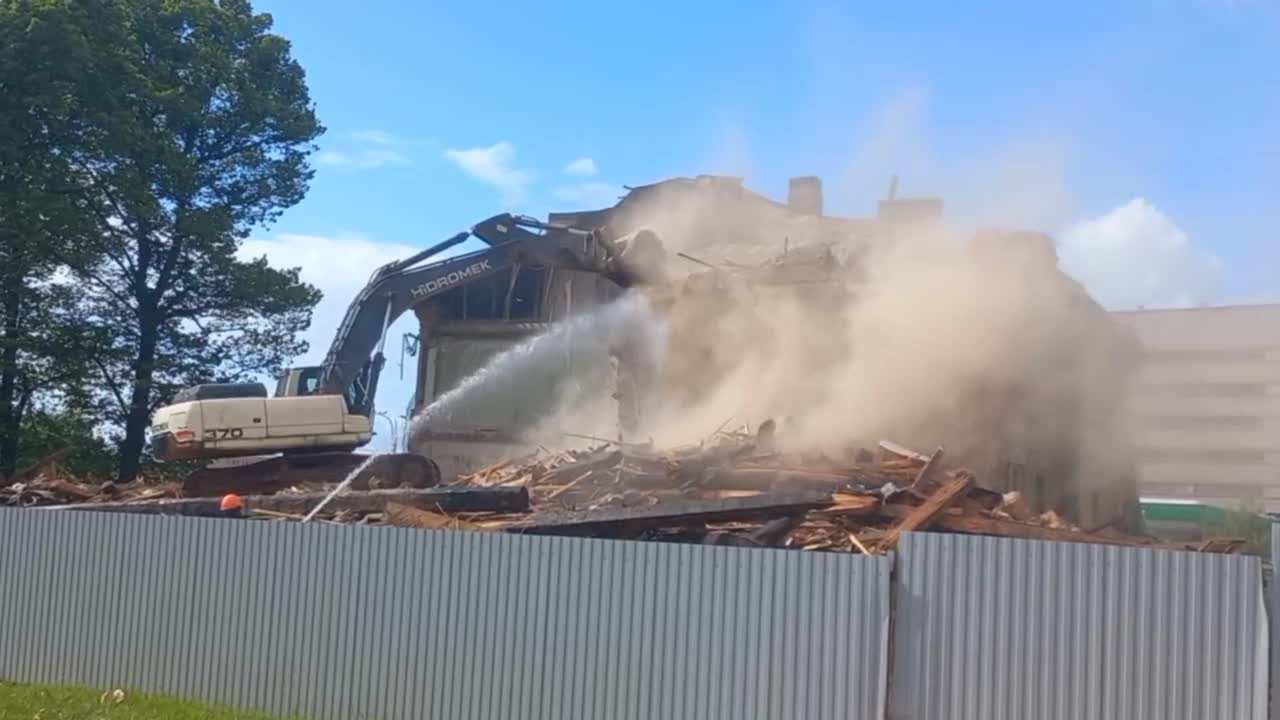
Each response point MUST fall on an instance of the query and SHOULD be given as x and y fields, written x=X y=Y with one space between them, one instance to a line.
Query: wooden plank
x=953 y=520
x=598 y=460
x=401 y=515
x=1225 y=546
x=836 y=477
x=673 y=513
x=446 y=499
x=1009 y=528
x=923 y=514
x=851 y=504
x=893 y=448
x=853 y=540
x=770 y=479
x=924 y=479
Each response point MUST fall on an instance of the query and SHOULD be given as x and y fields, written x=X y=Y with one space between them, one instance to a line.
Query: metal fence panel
x=1273 y=597
x=1004 y=629
x=366 y=622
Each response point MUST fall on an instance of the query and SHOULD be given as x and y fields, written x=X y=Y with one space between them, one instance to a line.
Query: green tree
x=205 y=136
x=46 y=76
x=71 y=435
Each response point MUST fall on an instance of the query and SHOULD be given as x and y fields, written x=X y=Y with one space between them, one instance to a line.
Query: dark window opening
x=487 y=298
x=451 y=304
x=484 y=296
x=526 y=295
x=310 y=381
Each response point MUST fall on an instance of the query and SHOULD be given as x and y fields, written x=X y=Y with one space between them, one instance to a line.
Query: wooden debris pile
x=45 y=490
x=740 y=492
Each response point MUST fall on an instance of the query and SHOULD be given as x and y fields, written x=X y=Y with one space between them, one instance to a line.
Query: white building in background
x=1206 y=405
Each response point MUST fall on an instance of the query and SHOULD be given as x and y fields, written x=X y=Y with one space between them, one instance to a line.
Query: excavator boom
x=353 y=362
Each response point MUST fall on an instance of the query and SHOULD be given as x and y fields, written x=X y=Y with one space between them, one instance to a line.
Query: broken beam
x=599 y=460
x=923 y=514
x=953 y=521
x=672 y=514
x=444 y=499
x=893 y=448
x=922 y=481
x=769 y=479
x=401 y=515
x=1226 y=546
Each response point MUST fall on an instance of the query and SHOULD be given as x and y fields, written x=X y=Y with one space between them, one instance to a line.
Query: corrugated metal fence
x=362 y=622
x=359 y=622
x=1274 y=598
x=1004 y=629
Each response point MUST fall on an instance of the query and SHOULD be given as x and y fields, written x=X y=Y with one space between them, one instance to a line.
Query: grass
x=45 y=702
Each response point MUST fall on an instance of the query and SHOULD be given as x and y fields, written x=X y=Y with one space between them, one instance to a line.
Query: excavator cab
x=295 y=382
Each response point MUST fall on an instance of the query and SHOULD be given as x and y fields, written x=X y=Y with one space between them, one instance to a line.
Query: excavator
x=309 y=431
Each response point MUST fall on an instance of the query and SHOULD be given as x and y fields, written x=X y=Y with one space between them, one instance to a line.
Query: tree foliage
x=46 y=85
x=142 y=141
x=208 y=138
x=71 y=435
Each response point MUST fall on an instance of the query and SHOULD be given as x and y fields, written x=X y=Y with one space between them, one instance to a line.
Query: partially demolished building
x=723 y=237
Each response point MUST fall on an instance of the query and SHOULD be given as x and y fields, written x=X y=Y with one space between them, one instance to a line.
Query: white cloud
x=582 y=166
x=367 y=150
x=379 y=158
x=589 y=195
x=365 y=159
x=376 y=137
x=494 y=165
x=338 y=265
x=332 y=157
x=1135 y=255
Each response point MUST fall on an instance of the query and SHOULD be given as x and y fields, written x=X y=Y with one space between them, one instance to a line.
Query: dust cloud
x=892 y=325
x=848 y=332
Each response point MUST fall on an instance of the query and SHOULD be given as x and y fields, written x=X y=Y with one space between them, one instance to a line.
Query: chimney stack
x=805 y=195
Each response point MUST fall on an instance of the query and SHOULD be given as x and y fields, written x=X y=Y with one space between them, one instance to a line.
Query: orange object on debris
x=230 y=502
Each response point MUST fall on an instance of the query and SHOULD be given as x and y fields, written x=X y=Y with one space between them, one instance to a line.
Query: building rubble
x=735 y=490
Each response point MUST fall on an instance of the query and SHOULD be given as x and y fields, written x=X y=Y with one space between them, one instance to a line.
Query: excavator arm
x=355 y=359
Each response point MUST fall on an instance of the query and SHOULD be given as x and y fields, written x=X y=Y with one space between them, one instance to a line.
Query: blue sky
x=1144 y=135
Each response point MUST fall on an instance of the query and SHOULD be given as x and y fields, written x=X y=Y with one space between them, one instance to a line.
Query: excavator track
x=263 y=476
